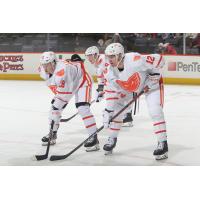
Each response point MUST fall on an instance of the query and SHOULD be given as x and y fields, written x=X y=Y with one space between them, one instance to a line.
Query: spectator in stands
x=196 y=42
x=101 y=45
x=165 y=36
x=117 y=39
x=167 y=48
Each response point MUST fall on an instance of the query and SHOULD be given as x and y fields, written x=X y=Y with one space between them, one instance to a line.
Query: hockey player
x=93 y=56
x=133 y=72
x=67 y=79
x=100 y=63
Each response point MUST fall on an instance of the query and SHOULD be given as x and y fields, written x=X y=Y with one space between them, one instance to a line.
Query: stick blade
x=58 y=157
x=41 y=157
x=63 y=120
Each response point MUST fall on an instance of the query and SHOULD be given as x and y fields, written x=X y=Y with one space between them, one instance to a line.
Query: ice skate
x=45 y=139
x=128 y=120
x=161 y=151
x=92 y=144
x=108 y=147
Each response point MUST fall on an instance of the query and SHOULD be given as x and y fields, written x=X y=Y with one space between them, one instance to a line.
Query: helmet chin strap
x=96 y=59
x=53 y=66
x=119 y=61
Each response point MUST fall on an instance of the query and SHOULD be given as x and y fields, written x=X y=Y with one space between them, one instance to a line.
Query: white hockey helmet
x=48 y=57
x=114 y=49
x=92 y=51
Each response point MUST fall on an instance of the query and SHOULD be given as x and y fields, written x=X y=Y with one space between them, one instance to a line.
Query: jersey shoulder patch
x=60 y=72
x=135 y=58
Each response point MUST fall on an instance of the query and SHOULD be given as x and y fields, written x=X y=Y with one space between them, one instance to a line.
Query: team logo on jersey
x=132 y=84
x=61 y=72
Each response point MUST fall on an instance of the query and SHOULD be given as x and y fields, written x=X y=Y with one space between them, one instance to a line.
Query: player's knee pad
x=84 y=110
x=156 y=113
x=115 y=125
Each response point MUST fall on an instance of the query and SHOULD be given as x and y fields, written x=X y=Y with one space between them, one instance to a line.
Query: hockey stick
x=61 y=157
x=66 y=120
x=45 y=156
x=135 y=106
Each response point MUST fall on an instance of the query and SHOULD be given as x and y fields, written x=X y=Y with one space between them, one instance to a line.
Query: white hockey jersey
x=101 y=65
x=67 y=78
x=135 y=75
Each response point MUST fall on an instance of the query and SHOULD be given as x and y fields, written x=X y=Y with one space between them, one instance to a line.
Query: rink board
x=179 y=69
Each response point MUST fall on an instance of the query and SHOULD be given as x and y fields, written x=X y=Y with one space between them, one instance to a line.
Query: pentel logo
x=180 y=66
x=172 y=66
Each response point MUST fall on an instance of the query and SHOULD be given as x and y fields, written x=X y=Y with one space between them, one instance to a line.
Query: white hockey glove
x=155 y=77
x=107 y=115
x=152 y=82
x=99 y=93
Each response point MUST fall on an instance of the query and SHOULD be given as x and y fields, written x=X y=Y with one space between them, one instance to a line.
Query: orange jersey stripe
x=114 y=98
x=161 y=92
x=115 y=129
x=63 y=92
x=162 y=131
x=86 y=94
x=159 y=60
x=89 y=79
x=91 y=125
x=110 y=91
x=84 y=118
x=53 y=88
x=159 y=123
x=88 y=98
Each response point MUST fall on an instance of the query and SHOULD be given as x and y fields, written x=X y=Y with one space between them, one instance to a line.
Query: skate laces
x=51 y=135
x=91 y=139
x=160 y=145
x=110 y=141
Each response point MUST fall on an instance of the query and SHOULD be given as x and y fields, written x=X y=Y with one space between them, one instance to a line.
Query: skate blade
x=127 y=124
x=106 y=153
x=162 y=157
x=46 y=143
x=94 y=148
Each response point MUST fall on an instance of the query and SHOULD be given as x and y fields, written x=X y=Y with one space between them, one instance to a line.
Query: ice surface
x=24 y=120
